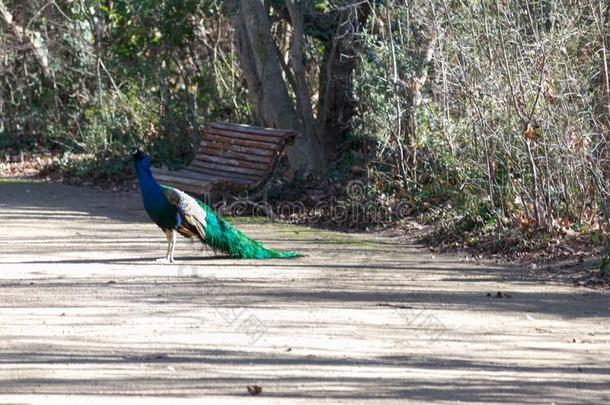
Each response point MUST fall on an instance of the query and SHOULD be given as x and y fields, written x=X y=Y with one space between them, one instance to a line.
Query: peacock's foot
x=165 y=260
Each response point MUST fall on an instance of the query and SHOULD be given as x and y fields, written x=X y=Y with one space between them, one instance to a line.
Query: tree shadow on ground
x=39 y=200
x=334 y=277
x=411 y=376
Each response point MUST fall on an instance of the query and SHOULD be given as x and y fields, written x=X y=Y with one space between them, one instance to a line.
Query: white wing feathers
x=188 y=208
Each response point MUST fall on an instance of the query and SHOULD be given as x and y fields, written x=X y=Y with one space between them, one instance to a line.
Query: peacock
x=174 y=211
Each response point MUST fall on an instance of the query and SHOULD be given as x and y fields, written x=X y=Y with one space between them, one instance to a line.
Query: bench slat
x=195 y=172
x=239 y=149
x=203 y=184
x=283 y=133
x=170 y=178
x=243 y=142
x=185 y=173
x=274 y=140
x=228 y=169
x=204 y=151
x=177 y=175
x=231 y=177
x=216 y=176
x=226 y=161
x=190 y=188
x=179 y=180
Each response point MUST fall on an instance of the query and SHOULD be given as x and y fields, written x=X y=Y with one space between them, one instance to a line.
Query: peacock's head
x=140 y=158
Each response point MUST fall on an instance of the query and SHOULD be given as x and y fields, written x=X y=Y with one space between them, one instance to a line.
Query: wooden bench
x=231 y=157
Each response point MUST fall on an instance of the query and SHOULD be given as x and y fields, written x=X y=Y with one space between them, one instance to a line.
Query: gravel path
x=87 y=316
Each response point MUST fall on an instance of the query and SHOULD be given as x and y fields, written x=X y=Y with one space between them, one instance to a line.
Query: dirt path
x=86 y=315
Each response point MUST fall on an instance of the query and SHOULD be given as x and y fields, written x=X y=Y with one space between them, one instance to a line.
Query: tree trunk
x=301 y=90
x=336 y=104
x=267 y=88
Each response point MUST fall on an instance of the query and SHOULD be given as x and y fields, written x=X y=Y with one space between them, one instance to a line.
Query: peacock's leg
x=170 y=234
x=172 y=244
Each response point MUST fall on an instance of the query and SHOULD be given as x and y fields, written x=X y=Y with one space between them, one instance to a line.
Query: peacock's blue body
x=158 y=208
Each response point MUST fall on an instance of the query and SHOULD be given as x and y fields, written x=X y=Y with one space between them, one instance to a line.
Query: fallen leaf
x=254 y=389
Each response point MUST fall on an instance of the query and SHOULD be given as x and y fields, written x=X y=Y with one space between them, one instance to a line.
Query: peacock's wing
x=192 y=214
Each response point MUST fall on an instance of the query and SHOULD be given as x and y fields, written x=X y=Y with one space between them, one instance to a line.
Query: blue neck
x=156 y=205
x=148 y=185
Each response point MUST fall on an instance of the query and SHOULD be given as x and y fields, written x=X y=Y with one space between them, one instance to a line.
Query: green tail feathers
x=223 y=237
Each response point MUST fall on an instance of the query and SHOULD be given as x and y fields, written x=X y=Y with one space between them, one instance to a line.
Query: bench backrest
x=242 y=152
